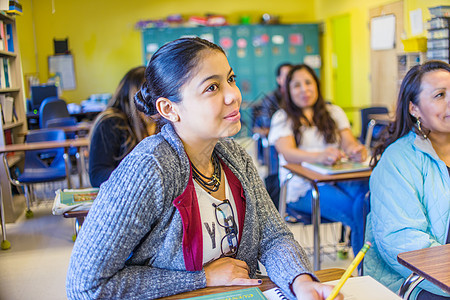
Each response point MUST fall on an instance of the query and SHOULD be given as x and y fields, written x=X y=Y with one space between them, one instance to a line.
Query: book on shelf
x=253 y=293
x=343 y=166
x=7 y=72
x=2 y=36
x=73 y=200
x=9 y=38
x=2 y=75
x=7 y=108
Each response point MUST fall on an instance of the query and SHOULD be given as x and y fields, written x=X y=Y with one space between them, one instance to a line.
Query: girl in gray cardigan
x=186 y=208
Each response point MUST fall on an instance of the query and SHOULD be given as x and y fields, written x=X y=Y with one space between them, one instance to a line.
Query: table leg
x=283 y=196
x=409 y=285
x=80 y=171
x=83 y=161
x=67 y=163
x=315 y=205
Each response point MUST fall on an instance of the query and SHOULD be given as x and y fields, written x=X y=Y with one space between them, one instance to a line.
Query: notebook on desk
x=73 y=200
x=338 y=168
x=356 y=288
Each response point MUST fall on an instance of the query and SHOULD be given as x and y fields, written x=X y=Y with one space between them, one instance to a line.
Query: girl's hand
x=357 y=153
x=306 y=289
x=330 y=156
x=228 y=271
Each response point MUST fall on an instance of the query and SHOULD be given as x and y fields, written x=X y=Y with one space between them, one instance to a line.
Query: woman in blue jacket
x=410 y=184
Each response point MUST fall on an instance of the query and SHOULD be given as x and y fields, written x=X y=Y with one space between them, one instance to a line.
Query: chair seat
x=295 y=216
x=42 y=175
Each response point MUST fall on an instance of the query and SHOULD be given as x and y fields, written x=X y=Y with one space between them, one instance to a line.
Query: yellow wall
x=360 y=41
x=102 y=37
x=105 y=44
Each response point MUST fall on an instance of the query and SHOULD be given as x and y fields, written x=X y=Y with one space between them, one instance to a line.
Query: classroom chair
x=365 y=120
x=52 y=108
x=40 y=166
x=292 y=216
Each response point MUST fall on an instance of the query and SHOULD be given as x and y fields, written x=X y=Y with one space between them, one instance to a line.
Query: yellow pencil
x=349 y=271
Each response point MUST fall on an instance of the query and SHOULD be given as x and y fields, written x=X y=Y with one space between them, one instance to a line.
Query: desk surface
x=432 y=263
x=317 y=177
x=82 y=142
x=85 y=126
x=323 y=275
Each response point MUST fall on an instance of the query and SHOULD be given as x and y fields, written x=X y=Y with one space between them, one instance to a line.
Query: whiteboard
x=62 y=65
x=382 y=32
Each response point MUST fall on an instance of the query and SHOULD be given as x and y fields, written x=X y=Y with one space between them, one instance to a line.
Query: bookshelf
x=406 y=61
x=12 y=129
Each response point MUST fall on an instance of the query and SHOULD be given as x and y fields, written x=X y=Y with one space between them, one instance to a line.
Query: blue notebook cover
x=253 y=293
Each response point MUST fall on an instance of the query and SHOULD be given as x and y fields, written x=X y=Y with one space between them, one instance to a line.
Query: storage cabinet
x=406 y=61
x=439 y=34
x=11 y=130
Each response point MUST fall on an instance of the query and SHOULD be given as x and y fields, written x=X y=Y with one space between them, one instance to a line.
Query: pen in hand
x=349 y=271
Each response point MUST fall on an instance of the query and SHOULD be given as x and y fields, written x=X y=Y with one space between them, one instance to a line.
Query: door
x=341 y=63
x=383 y=63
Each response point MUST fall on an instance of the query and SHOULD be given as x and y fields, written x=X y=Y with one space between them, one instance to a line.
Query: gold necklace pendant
x=217 y=179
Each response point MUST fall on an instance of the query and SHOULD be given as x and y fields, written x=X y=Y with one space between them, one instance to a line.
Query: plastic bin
x=415 y=45
x=440 y=11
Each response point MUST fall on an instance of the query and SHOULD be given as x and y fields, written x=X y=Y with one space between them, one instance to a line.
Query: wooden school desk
x=81 y=129
x=432 y=264
x=323 y=275
x=314 y=178
x=77 y=143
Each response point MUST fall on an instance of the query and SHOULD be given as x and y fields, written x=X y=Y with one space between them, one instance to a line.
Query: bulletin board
x=62 y=65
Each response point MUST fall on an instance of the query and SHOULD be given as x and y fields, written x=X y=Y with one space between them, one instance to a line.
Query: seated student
x=186 y=208
x=271 y=102
x=118 y=129
x=410 y=184
x=308 y=129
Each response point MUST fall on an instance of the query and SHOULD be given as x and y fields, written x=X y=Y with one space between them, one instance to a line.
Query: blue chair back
x=62 y=122
x=52 y=108
x=365 y=112
x=44 y=165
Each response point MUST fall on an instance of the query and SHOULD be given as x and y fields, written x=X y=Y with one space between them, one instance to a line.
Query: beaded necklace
x=211 y=184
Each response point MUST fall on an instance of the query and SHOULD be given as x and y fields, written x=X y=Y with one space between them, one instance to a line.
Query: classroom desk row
x=77 y=143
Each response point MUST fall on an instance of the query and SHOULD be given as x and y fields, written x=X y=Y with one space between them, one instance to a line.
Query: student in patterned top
x=186 y=208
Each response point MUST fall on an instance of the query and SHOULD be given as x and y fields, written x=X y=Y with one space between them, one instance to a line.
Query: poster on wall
x=382 y=32
x=62 y=65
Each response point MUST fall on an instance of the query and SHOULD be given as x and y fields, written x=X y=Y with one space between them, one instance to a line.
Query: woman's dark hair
x=321 y=117
x=409 y=92
x=122 y=106
x=168 y=70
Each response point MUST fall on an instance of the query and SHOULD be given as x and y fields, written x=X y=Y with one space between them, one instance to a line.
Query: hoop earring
x=419 y=128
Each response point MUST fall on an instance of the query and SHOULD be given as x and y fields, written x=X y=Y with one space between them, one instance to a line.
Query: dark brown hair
x=321 y=118
x=409 y=92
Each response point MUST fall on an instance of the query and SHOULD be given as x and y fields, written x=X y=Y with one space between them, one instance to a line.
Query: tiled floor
x=35 y=266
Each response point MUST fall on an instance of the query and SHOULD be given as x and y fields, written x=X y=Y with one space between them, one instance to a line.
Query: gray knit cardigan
x=130 y=246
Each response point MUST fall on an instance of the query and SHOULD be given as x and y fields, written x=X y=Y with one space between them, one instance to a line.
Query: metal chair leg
x=409 y=284
x=28 y=195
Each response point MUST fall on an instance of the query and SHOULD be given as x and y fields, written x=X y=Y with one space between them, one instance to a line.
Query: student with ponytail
x=186 y=209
